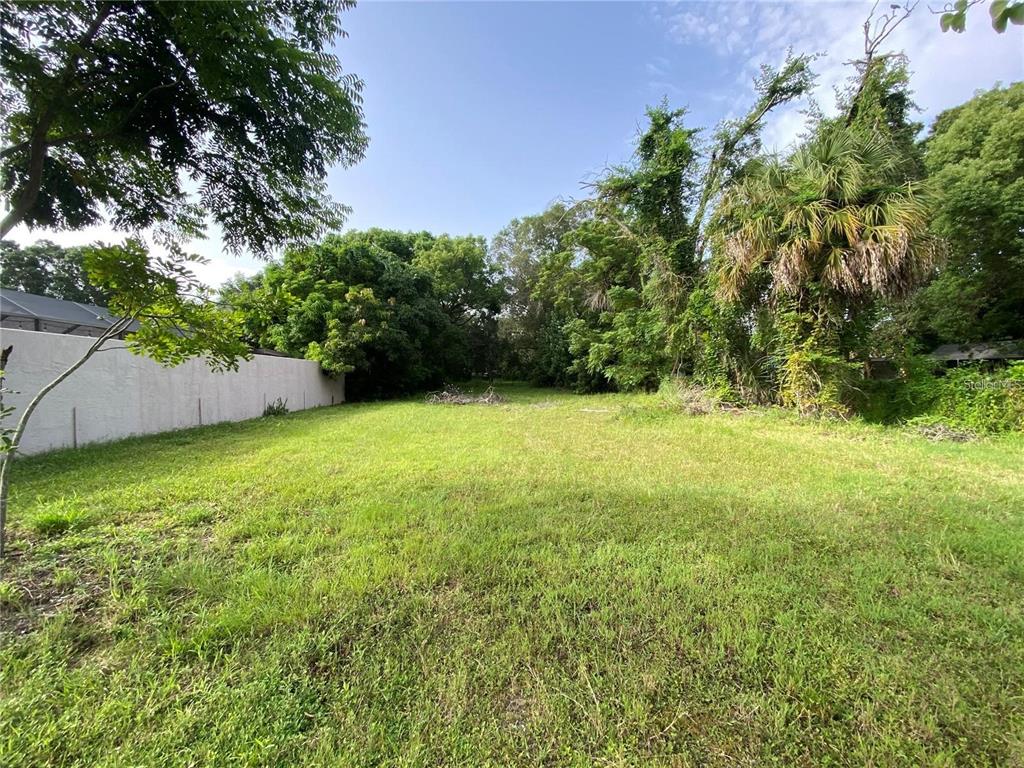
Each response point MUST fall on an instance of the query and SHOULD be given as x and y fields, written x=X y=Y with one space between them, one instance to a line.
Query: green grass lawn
x=559 y=580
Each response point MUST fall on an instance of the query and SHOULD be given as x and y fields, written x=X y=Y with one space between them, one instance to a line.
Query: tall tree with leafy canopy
x=464 y=278
x=161 y=114
x=974 y=155
x=360 y=304
x=470 y=290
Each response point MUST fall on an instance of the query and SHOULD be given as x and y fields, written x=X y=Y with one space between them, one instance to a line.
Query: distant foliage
x=975 y=157
x=776 y=279
x=610 y=289
x=982 y=401
x=47 y=269
x=396 y=312
x=531 y=344
x=970 y=397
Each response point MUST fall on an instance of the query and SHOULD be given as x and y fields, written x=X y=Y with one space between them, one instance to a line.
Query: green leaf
x=998 y=12
x=945 y=20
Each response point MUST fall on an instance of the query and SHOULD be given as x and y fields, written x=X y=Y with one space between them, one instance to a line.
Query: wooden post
x=74 y=427
x=200 y=411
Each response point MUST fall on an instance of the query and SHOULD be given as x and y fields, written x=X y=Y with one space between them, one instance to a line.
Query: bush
x=970 y=397
x=982 y=401
x=691 y=398
x=277 y=408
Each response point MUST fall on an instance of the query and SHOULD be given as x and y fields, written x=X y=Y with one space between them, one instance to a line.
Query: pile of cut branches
x=938 y=432
x=455 y=396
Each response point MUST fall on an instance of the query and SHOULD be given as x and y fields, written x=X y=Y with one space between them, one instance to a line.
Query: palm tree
x=829 y=230
x=836 y=213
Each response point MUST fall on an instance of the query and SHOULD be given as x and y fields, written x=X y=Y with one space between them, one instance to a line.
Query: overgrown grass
x=556 y=580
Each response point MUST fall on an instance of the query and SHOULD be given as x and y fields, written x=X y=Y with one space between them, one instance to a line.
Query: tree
x=529 y=342
x=161 y=113
x=643 y=250
x=47 y=269
x=360 y=304
x=828 y=230
x=1002 y=12
x=974 y=157
x=470 y=290
x=163 y=312
x=464 y=279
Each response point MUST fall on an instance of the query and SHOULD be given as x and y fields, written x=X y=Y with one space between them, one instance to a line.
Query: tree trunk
x=38 y=144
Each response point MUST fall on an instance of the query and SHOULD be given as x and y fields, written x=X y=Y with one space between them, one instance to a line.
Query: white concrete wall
x=117 y=394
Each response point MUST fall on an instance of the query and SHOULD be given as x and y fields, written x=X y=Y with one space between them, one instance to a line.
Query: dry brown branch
x=455 y=396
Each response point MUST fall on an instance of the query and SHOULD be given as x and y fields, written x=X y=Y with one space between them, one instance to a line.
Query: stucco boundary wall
x=118 y=394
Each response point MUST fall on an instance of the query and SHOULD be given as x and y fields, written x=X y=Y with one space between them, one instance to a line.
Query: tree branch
x=875 y=33
x=85 y=137
x=38 y=148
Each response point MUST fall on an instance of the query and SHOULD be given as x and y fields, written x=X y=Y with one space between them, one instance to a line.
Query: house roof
x=29 y=311
x=29 y=305
x=985 y=350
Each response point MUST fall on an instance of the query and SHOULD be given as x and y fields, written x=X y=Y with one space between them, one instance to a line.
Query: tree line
x=763 y=278
x=759 y=277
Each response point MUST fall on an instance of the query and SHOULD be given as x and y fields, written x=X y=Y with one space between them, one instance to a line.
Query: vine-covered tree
x=832 y=228
x=166 y=113
x=619 y=292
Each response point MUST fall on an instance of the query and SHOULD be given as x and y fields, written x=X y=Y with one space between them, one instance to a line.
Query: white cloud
x=946 y=68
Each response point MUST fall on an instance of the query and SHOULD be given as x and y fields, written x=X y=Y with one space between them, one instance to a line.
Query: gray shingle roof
x=986 y=350
x=42 y=313
x=17 y=303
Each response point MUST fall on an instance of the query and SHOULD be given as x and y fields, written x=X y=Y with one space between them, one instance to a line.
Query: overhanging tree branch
x=38 y=147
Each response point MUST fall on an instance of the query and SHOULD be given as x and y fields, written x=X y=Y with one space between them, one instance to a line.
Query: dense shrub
x=396 y=312
x=982 y=401
x=970 y=397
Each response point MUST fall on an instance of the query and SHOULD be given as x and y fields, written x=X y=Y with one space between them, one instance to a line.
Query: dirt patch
x=40 y=593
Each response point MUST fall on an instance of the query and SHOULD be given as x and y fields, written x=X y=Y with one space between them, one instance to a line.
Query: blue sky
x=479 y=112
